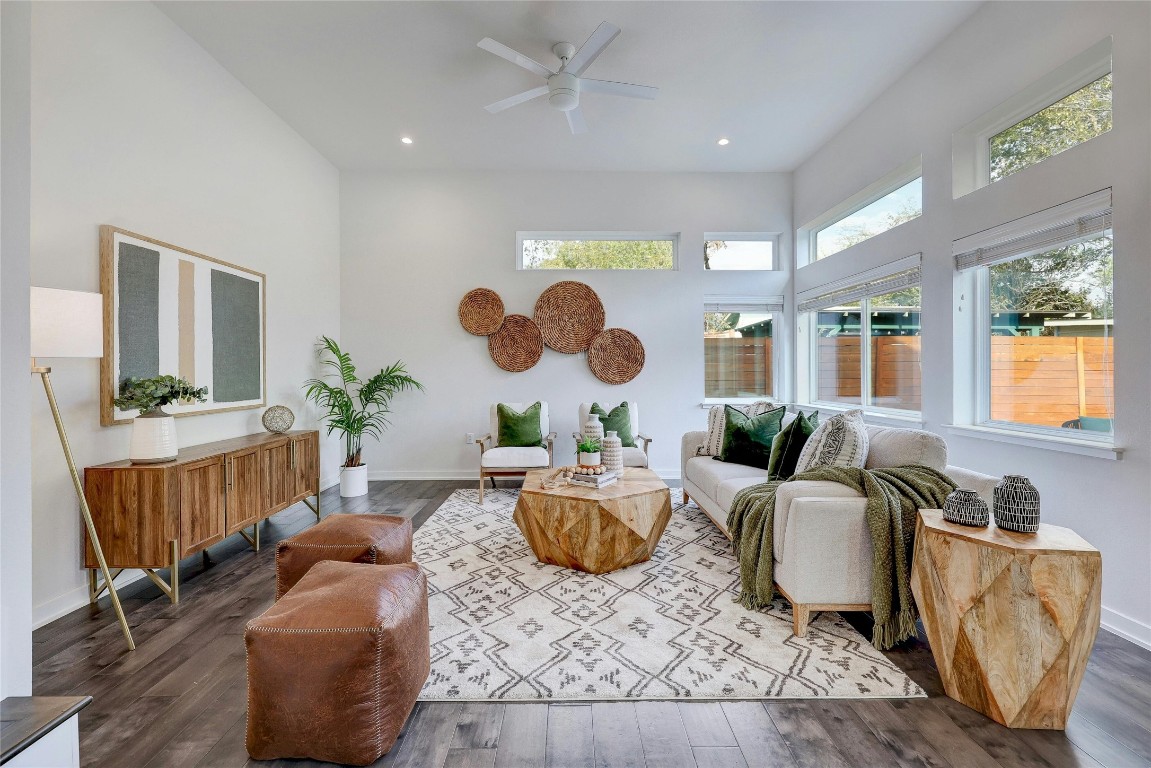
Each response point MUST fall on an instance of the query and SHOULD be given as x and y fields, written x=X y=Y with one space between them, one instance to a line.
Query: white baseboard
x=62 y=605
x=329 y=482
x=459 y=474
x=1126 y=627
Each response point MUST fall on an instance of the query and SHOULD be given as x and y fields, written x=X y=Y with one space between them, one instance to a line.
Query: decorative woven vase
x=963 y=506
x=1017 y=504
x=153 y=437
x=612 y=452
x=593 y=430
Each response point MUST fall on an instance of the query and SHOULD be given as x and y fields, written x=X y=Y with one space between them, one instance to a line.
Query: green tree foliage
x=852 y=235
x=719 y=322
x=1069 y=121
x=709 y=248
x=598 y=254
x=1074 y=278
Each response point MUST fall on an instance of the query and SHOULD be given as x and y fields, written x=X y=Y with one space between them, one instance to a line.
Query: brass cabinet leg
x=175 y=575
x=254 y=539
x=92 y=586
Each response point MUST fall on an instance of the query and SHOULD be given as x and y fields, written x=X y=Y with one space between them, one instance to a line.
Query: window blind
x=1043 y=239
x=749 y=304
x=859 y=291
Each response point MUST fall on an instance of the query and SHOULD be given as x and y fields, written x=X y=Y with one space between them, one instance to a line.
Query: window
x=1072 y=120
x=1046 y=322
x=735 y=250
x=738 y=348
x=596 y=250
x=891 y=210
x=865 y=343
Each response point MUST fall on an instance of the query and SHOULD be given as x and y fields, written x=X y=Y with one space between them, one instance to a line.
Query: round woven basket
x=569 y=315
x=615 y=356
x=517 y=345
x=481 y=311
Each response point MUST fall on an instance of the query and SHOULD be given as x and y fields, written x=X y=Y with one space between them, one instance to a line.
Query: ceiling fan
x=565 y=84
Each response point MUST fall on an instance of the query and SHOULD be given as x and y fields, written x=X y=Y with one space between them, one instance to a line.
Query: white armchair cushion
x=494 y=421
x=514 y=457
x=634 y=457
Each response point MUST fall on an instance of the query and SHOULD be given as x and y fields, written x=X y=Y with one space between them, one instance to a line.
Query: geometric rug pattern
x=506 y=627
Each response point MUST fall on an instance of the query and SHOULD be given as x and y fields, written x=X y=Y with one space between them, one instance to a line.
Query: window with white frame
x=740 y=250
x=895 y=199
x=1044 y=319
x=596 y=250
x=1067 y=107
x=864 y=340
x=738 y=347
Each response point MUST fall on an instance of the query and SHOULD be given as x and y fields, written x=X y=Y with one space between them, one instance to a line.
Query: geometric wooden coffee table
x=1011 y=617
x=595 y=530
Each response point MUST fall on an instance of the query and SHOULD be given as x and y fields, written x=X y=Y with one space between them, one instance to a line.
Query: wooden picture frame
x=166 y=309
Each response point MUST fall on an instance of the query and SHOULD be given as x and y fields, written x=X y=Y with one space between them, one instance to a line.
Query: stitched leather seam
x=379 y=703
x=348 y=630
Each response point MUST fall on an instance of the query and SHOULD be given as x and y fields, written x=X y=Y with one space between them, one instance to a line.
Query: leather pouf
x=335 y=667
x=376 y=539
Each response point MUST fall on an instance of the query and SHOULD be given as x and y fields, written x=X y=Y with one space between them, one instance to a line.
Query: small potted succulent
x=154 y=431
x=589 y=452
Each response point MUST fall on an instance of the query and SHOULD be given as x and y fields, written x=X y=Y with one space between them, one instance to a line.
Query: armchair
x=632 y=457
x=507 y=461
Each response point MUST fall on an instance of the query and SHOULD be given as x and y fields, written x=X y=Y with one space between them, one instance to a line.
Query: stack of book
x=596 y=481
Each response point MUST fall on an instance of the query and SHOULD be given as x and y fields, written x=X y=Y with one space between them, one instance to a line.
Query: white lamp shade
x=67 y=323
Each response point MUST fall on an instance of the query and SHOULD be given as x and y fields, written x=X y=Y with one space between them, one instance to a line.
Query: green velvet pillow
x=519 y=430
x=748 y=439
x=788 y=444
x=618 y=421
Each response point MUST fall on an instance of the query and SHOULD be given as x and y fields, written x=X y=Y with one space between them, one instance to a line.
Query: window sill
x=1095 y=448
x=908 y=420
x=711 y=402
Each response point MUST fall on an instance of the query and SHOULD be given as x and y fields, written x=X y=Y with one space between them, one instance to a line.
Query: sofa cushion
x=802 y=489
x=888 y=447
x=716 y=420
x=515 y=457
x=747 y=439
x=841 y=441
x=725 y=494
x=707 y=474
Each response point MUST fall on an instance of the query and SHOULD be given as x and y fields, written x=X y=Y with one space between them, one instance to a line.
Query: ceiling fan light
x=724 y=142
x=563 y=99
x=405 y=139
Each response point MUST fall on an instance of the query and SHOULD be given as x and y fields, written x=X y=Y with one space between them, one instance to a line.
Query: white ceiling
x=778 y=78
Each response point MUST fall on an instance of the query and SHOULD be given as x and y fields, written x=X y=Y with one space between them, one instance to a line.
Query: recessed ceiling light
x=723 y=142
x=406 y=139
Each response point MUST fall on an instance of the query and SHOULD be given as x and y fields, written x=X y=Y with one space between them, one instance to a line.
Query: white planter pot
x=589 y=459
x=153 y=438
x=354 y=481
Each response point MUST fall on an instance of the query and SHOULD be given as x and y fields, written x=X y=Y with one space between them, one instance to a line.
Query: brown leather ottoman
x=379 y=539
x=336 y=665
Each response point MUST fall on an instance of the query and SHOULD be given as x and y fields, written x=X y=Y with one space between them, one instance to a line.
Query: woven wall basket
x=615 y=356
x=481 y=311
x=569 y=315
x=517 y=345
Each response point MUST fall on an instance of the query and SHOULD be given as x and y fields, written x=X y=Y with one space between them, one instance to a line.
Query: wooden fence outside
x=735 y=366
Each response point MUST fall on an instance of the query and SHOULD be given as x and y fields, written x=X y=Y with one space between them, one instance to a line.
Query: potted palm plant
x=355 y=408
x=154 y=430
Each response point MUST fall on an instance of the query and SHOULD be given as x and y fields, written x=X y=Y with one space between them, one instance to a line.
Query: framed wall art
x=171 y=311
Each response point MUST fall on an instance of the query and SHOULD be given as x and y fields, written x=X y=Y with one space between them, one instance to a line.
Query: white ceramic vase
x=593 y=429
x=153 y=437
x=353 y=481
x=612 y=452
x=589 y=459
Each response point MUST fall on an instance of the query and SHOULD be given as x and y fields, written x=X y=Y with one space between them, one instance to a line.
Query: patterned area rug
x=505 y=626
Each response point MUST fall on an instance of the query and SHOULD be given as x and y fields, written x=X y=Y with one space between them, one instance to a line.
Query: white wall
x=135 y=125
x=15 y=465
x=1000 y=50
x=415 y=243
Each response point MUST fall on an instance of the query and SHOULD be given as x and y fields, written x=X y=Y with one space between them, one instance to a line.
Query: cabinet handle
x=293 y=444
x=232 y=472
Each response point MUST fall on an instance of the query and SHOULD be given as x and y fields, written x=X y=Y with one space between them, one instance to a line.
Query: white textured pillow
x=841 y=441
x=715 y=425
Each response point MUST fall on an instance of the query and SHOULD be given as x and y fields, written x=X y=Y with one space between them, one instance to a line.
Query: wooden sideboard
x=149 y=516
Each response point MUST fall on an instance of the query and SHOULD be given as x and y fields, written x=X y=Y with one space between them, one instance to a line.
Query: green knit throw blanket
x=894 y=497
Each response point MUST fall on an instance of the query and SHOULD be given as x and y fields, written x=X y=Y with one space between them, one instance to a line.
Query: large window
x=738 y=349
x=1046 y=326
x=596 y=250
x=865 y=344
x=1072 y=120
x=892 y=209
x=739 y=250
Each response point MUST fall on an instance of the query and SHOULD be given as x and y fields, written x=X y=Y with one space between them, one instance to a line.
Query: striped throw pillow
x=713 y=445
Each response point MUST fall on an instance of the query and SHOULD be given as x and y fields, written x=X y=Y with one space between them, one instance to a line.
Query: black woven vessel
x=1017 y=504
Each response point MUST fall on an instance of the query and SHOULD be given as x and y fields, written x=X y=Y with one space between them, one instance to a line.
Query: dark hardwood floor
x=179 y=699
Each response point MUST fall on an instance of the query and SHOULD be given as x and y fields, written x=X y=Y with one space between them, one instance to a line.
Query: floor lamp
x=71 y=324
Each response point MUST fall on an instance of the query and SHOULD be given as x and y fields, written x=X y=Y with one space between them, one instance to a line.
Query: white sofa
x=822 y=546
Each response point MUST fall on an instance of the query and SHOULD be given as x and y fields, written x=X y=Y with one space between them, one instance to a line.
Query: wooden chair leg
x=801 y=614
x=481 y=487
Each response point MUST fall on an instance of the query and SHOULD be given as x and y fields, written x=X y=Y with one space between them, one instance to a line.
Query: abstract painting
x=171 y=311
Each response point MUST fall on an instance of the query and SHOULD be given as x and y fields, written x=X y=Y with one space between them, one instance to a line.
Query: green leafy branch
x=146 y=394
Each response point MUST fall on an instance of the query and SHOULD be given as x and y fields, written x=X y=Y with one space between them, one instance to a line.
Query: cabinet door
x=305 y=466
x=201 y=504
x=278 y=479
x=245 y=488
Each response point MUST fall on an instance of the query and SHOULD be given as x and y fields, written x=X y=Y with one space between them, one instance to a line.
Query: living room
x=339 y=154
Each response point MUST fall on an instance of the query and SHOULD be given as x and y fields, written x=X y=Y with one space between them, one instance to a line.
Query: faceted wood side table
x=594 y=529
x=1011 y=617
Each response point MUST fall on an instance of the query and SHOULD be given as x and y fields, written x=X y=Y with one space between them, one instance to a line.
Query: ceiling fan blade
x=519 y=98
x=609 y=88
x=515 y=57
x=590 y=51
x=576 y=121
